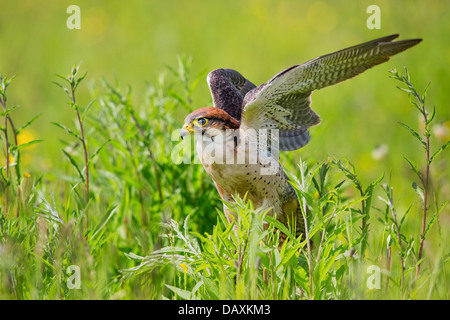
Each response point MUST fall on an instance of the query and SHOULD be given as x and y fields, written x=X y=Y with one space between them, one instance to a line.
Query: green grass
x=152 y=229
x=362 y=176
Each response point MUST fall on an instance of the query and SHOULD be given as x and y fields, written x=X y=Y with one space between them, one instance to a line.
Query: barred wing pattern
x=228 y=88
x=284 y=102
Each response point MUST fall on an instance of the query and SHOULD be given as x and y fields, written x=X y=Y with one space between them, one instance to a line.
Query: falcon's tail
x=293 y=140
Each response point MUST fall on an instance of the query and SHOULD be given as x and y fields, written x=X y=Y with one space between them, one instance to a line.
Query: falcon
x=238 y=139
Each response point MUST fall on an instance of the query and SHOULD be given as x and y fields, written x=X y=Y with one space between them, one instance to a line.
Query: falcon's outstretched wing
x=284 y=101
x=228 y=88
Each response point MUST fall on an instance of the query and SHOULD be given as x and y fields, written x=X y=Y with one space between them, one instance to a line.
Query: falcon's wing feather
x=284 y=101
x=228 y=88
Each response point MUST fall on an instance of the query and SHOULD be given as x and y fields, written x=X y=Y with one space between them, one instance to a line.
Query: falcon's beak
x=186 y=130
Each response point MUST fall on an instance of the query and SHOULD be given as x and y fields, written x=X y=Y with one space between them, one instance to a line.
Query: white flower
x=380 y=152
x=351 y=254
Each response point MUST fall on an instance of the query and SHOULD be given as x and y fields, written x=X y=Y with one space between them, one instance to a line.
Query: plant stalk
x=425 y=190
x=7 y=159
x=425 y=180
x=83 y=141
x=3 y=103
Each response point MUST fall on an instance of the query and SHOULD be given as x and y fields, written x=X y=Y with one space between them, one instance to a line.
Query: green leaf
x=404 y=216
x=24 y=145
x=4 y=83
x=414 y=168
x=28 y=123
x=414 y=133
x=79 y=80
x=418 y=107
x=197 y=286
x=406 y=90
x=2 y=169
x=277 y=224
x=425 y=92
x=97 y=151
x=64 y=88
x=442 y=148
x=180 y=99
x=431 y=117
x=86 y=110
x=433 y=219
x=8 y=110
x=369 y=192
x=211 y=288
x=288 y=255
x=102 y=224
x=329 y=263
x=44 y=261
x=74 y=164
x=407 y=77
x=197 y=79
x=184 y=294
x=69 y=131
x=418 y=190
x=62 y=77
x=200 y=236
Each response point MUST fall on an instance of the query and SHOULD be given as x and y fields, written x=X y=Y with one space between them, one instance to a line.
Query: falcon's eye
x=201 y=122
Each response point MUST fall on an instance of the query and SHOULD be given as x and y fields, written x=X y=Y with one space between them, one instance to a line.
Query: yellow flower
x=26 y=136
x=185 y=267
x=26 y=175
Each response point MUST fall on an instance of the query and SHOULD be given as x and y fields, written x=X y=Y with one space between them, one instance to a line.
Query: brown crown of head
x=215 y=116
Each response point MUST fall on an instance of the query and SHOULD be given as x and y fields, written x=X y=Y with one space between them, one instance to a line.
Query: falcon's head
x=209 y=121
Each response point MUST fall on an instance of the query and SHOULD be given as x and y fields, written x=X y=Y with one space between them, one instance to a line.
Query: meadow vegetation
x=90 y=183
x=139 y=226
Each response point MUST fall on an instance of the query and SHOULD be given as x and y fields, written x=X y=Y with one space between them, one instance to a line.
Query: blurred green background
x=135 y=40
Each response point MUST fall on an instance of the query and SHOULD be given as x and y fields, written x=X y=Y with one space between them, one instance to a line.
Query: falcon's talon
x=282 y=103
